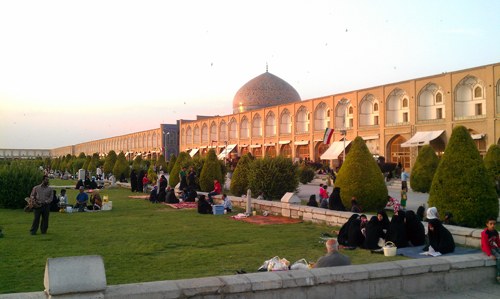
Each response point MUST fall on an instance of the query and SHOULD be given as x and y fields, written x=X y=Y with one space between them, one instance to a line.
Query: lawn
x=140 y=241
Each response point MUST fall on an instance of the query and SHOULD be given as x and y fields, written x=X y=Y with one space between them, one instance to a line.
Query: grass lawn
x=140 y=241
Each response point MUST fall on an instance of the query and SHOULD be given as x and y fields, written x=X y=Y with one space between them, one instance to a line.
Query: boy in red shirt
x=490 y=243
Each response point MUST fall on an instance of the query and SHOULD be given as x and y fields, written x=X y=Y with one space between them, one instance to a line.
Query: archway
x=244 y=151
x=257 y=152
x=397 y=153
x=271 y=151
x=303 y=152
x=320 y=149
x=286 y=151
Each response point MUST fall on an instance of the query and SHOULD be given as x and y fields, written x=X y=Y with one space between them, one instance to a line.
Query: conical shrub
x=461 y=184
x=109 y=162
x=211 y=171
x=121 y=167
x=183 y=160
x=361 y=177
x=273 y=176
x=492 y=164
x=423 y=170
x=239 y=180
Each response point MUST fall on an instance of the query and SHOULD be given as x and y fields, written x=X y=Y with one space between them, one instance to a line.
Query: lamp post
x=343 y=133
x=165 y=141
x=226 y=153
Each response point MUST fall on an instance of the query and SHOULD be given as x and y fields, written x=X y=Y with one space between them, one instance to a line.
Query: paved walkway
x=483 y=291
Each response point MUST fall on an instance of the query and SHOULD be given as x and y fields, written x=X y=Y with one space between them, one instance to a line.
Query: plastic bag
x=301 y=264
x=275 y=264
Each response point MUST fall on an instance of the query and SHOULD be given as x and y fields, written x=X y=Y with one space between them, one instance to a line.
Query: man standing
x=41 y=196
x=333 y=256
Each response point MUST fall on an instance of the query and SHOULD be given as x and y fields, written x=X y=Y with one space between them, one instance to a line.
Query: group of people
x=205 y=205
x=139 y=182
x=332 y=201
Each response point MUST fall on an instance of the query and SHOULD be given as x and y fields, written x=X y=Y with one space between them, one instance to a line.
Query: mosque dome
x=264 y=91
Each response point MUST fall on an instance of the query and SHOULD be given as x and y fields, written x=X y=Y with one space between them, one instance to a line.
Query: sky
x=76 y=71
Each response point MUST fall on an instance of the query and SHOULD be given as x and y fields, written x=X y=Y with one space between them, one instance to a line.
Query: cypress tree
x=462 y=184
x=109 y=162
x=171 y=163
x=360 y=177
x=121 y=166
x=424 y=169
x=211 y=171
x=162 y=164
x=239 y=180
x=492 y=164
x=184 y=159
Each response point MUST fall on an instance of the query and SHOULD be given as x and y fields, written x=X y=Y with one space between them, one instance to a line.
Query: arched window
x=257 y=126
x=196 y=134
x=439 y=97
x=396 y=113
x=351 y=110
x=204 y=134
x=430 y=103
x=233 y=129
x=213 y=132
x=375 y=106
x=478 y=92
x=368 y=111
x=223 y=131
x=270 y=125
x=470 y=98
x=405 y=103
x=341 y=120
x=183 y=134
x=302 y=121
x=244 y=128
x=285 y=122
x=321 y=117
x=155 y=141
x=189 y=136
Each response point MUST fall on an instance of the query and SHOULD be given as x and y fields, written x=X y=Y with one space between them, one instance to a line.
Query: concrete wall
x=380 y=280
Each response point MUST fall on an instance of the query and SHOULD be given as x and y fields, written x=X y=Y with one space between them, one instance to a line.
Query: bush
x=162 y=164
x=273 y=176
x=239 y=180
x=171 y=163
x=16 y=182
x=211 y=171
x=121 y=167
x=184 y=160
x=492 y=164
x=462 y=184
x=152 y=176
x=360 y=177
x=306 y=174
x=424 y=169
x=109 y=162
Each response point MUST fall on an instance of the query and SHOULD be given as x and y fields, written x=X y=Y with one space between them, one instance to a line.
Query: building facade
x=394 y=119
x=24 y=153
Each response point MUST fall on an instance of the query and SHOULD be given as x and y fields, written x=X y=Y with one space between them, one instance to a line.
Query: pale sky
x=76 y=71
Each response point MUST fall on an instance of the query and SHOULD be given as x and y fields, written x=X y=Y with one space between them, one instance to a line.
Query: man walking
x=40 y=197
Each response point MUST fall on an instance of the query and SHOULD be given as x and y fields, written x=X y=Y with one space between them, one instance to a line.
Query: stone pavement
x=483 y=291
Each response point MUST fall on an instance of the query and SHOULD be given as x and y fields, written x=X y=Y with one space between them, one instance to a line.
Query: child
x=227 y=203
x=490 y=243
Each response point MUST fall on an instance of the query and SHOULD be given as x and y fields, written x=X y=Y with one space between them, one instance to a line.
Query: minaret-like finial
x=267 y=68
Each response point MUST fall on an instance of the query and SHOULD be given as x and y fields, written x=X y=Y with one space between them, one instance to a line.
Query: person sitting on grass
x=490 y=243
x=153 y=195
x=204 y=207
x=312 y=201
x=81 y=200
x=170 y=195
x=96 y=200
x=228 y=206
x=333 y=257
x=63 y=200
x=440 y=239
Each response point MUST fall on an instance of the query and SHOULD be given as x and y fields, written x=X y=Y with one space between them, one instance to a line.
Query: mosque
x=270 y=118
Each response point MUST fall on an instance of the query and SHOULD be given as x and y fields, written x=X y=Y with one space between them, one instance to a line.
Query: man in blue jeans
x=40 y=199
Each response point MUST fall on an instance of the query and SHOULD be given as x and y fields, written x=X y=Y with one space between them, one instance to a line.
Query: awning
x=301 y=142
x=204 y=146
x=335 y=149
x=284 y=142
x=269 y=144
x=255 y=145
x=212 y=146
x=226 y=151
x=193 y=152
x=371 y=137
x=422 y=138
x=477 y=136
x=243 y=145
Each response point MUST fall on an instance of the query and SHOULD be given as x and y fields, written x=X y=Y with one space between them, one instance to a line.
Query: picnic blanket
x=182 y=205
x=139 y=196
x=414 y=252
x=266 y=220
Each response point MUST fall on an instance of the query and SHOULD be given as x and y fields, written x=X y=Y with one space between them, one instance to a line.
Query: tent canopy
x=422 y=138
x=193 y=152
x=335 y=149
x=226 y=151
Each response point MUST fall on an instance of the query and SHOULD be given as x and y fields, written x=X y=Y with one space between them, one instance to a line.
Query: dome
x=264 y=91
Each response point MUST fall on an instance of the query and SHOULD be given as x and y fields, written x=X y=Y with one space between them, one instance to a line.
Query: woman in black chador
x=335 y=202
x=343 y=235
x=374 y=232
x=355 y=237
x=162 y=193
x=397 y=230
x=415 y=231
x=440 y=238
x=133 y=180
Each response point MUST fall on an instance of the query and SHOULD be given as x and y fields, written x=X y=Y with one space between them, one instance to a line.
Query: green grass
x=140 y=241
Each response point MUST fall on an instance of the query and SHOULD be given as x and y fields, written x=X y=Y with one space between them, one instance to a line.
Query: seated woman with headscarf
x=170 y=196
x=343 y=235
x=374 y=232
x=95 y=200
x=440 y=238
x=312 y=201
x=415 y=231
x=397 y=229
x=204 y=207
x=335 y=201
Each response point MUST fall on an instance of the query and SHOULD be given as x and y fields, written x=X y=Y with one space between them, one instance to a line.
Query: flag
x=328 y=135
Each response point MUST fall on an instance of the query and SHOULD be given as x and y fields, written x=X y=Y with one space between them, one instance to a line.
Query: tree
x=152 y=176
x=424 y=169
x=306 y=174
x=94 y=162
x=109 y=162
x=462 y=184
x=273 y=176
x=82 y=155
x=87 y=162
x=211 y=171
x=16 y=183
x=121 y=166
x=183 y=160
x=171 y=163
x=360 y=177
x=162 y=164
x=492 y=164
x=138 y=164
x=239 y=180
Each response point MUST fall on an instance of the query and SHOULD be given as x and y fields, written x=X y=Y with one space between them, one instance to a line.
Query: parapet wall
x=461 y=235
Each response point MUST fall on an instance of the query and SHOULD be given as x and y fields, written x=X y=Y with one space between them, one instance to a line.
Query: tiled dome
x=263 y=91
